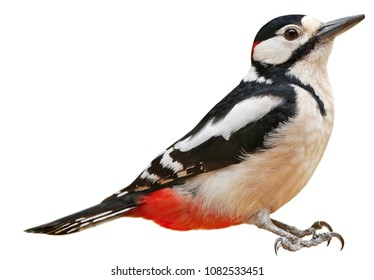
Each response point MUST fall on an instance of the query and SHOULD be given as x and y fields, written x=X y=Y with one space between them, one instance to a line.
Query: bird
x=250 y=154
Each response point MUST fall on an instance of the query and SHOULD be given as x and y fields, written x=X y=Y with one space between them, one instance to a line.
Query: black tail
x=107 y=210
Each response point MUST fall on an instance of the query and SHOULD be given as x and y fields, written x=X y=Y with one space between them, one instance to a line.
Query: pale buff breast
x=270 y=178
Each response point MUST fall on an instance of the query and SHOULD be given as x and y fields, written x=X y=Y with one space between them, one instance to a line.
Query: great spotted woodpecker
x=250 y=154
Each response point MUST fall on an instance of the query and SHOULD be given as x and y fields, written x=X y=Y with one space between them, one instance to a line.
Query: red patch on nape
x=255 y=43
x=171 y=210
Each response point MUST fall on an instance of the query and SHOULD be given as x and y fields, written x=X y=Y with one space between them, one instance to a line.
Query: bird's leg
x=262 y=220
x=291 y=237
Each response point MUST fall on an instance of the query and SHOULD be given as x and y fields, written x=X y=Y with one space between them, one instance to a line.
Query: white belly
x=270 y=178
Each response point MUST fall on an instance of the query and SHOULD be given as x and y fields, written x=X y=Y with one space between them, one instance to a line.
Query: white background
x=91 y=91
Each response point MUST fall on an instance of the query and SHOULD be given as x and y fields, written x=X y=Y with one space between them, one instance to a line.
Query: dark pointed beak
x=331 y=29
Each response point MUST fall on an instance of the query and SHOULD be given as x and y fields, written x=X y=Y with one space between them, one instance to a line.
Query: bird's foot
x=301 y=233
x=291 y=238
x=292 y=244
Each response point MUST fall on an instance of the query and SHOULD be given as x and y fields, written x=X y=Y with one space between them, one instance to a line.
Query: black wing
x=196 y=152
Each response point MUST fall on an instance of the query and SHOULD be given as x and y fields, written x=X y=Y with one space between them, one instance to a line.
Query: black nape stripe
x=308 y=88
x=278 y=74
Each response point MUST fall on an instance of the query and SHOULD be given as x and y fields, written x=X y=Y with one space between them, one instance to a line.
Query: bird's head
x=291 y=38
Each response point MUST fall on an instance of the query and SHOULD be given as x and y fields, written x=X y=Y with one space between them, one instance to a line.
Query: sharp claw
x=277 y=245
x=338 y=236
x=320 y=224
x=326 y=225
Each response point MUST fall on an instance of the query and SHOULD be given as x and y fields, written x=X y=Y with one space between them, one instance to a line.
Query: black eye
x=291 y=34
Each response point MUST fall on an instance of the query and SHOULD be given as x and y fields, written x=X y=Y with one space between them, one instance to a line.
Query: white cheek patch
x=275 y=50
x=278 y=50
x=241 y=114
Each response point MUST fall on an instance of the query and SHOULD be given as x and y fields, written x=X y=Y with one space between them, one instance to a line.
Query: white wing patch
x=168 y=162
x=241 y=114
x=151 y=177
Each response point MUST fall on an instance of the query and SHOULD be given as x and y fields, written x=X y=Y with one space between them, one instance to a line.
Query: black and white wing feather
x=236 y=126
